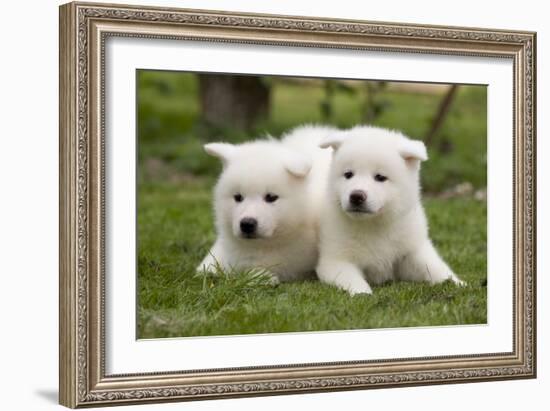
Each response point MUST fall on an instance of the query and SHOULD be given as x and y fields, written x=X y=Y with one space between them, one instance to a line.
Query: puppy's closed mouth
x=358 y=210
x=249 y=236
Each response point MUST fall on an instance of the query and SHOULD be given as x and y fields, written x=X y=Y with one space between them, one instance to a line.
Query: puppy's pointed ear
x=297 y=164
x=224 y=151
x=413 y=151
x=334 y=140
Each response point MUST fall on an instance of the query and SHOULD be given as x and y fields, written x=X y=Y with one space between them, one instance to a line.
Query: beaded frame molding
x=84 y=27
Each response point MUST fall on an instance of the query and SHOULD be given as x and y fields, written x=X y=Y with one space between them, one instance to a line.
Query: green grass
x=175 y=232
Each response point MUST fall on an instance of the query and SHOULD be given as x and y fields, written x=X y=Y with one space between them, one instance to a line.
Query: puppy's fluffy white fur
x=285 y=242
x=386 y=236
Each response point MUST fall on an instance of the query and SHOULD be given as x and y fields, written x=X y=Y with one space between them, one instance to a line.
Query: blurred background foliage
x=178 y=112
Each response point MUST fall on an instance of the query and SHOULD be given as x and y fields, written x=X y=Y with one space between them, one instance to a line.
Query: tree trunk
x=441 y=114
x=236 y=102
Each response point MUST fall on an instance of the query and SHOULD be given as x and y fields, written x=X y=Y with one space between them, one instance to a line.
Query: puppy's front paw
x=274 y=280
x=344 y=275
x=204 y=269
x=458 y=281
x=359 y=288
x=265 y=275
x=354 y=284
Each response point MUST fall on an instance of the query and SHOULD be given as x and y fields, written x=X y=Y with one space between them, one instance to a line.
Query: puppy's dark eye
x=380 y=178
x=348 y=175
x=271 y=198
x=238 y=198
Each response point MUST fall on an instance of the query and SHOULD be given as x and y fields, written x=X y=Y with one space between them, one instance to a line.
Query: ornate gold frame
x=83 y=30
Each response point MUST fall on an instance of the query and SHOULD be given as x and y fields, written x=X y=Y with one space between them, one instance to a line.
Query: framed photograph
x=259 y=204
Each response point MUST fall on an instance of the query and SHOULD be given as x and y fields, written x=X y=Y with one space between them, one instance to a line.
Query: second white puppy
x=373 y=228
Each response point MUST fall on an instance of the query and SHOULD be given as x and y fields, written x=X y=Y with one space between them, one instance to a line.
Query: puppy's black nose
x=357 y=197
x=248 y=225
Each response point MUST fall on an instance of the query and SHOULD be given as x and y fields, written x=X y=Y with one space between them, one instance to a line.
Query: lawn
x=175 y=219
x=175 y=232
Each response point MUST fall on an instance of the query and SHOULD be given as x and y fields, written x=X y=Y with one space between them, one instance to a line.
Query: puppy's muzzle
x=248 y=226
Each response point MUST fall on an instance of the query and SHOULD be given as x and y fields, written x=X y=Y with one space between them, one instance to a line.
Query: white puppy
x=373 y=228
x=267 y=204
